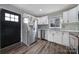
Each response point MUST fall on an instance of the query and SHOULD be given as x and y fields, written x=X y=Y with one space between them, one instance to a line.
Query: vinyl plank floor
x=38 y=47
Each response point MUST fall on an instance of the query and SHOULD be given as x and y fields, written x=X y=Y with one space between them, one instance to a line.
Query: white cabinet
x=73 y=15
x=58 y=37
x=46 y=34
x=39 y=21
x=73 y=42
x=43 y=20
x=65 y=40
x=39 y=34
x=50 y=35
x=70 y=15
x=65 y=17
x=55 y=36
x=70 y=20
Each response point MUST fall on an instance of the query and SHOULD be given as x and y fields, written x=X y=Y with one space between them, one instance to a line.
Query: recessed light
x=40 y=9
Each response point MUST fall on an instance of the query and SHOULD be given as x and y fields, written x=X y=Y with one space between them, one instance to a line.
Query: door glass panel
x=16 y=17
x=7 y=15
x=12 y=19
x=16 y=20
x=12 y=16
x=7 y=18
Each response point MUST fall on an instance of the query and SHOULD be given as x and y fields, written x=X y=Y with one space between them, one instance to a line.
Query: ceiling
x=43 y=9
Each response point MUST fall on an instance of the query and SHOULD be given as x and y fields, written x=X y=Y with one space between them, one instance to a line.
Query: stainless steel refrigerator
x=29 y=33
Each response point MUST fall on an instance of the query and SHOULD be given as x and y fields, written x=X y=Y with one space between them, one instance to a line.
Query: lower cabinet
x=39 y=32
x=58 y=37
x=50 y=36
x=73 y=42
x=55 y=36
x=46 y=34
x=65 y=38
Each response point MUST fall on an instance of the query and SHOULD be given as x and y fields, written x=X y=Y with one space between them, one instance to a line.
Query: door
x=10 y=27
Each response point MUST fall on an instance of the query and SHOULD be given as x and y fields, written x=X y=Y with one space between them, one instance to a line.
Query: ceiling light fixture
x=40 y=9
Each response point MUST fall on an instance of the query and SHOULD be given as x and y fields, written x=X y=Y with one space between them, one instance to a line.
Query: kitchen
x=40 y=31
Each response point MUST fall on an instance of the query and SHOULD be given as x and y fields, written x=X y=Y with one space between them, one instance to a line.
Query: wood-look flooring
x=39 y=47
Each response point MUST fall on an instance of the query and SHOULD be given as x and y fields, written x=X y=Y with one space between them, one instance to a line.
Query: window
x=55 y=22
x=25 y=20
x=7 y=16
x=16 y=18
x=11 y=17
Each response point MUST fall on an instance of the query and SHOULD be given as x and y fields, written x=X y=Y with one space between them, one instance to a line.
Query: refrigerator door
x=32 y=33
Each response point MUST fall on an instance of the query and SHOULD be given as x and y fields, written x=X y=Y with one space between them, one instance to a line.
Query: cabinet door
x=73 y=15
x=55 y=37
x=43 y=20
x=65 y=17
x=65 y=38
x=50 y=36
x=58 y=37
x=39 y=34
x=39 y=22
x=46 y=34
x=73 y=42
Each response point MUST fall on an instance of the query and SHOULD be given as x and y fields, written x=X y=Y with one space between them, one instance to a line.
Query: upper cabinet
x=43 y=20
x=70 y=15
x=65 y=17
x=73 y=15
x=71 y=20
